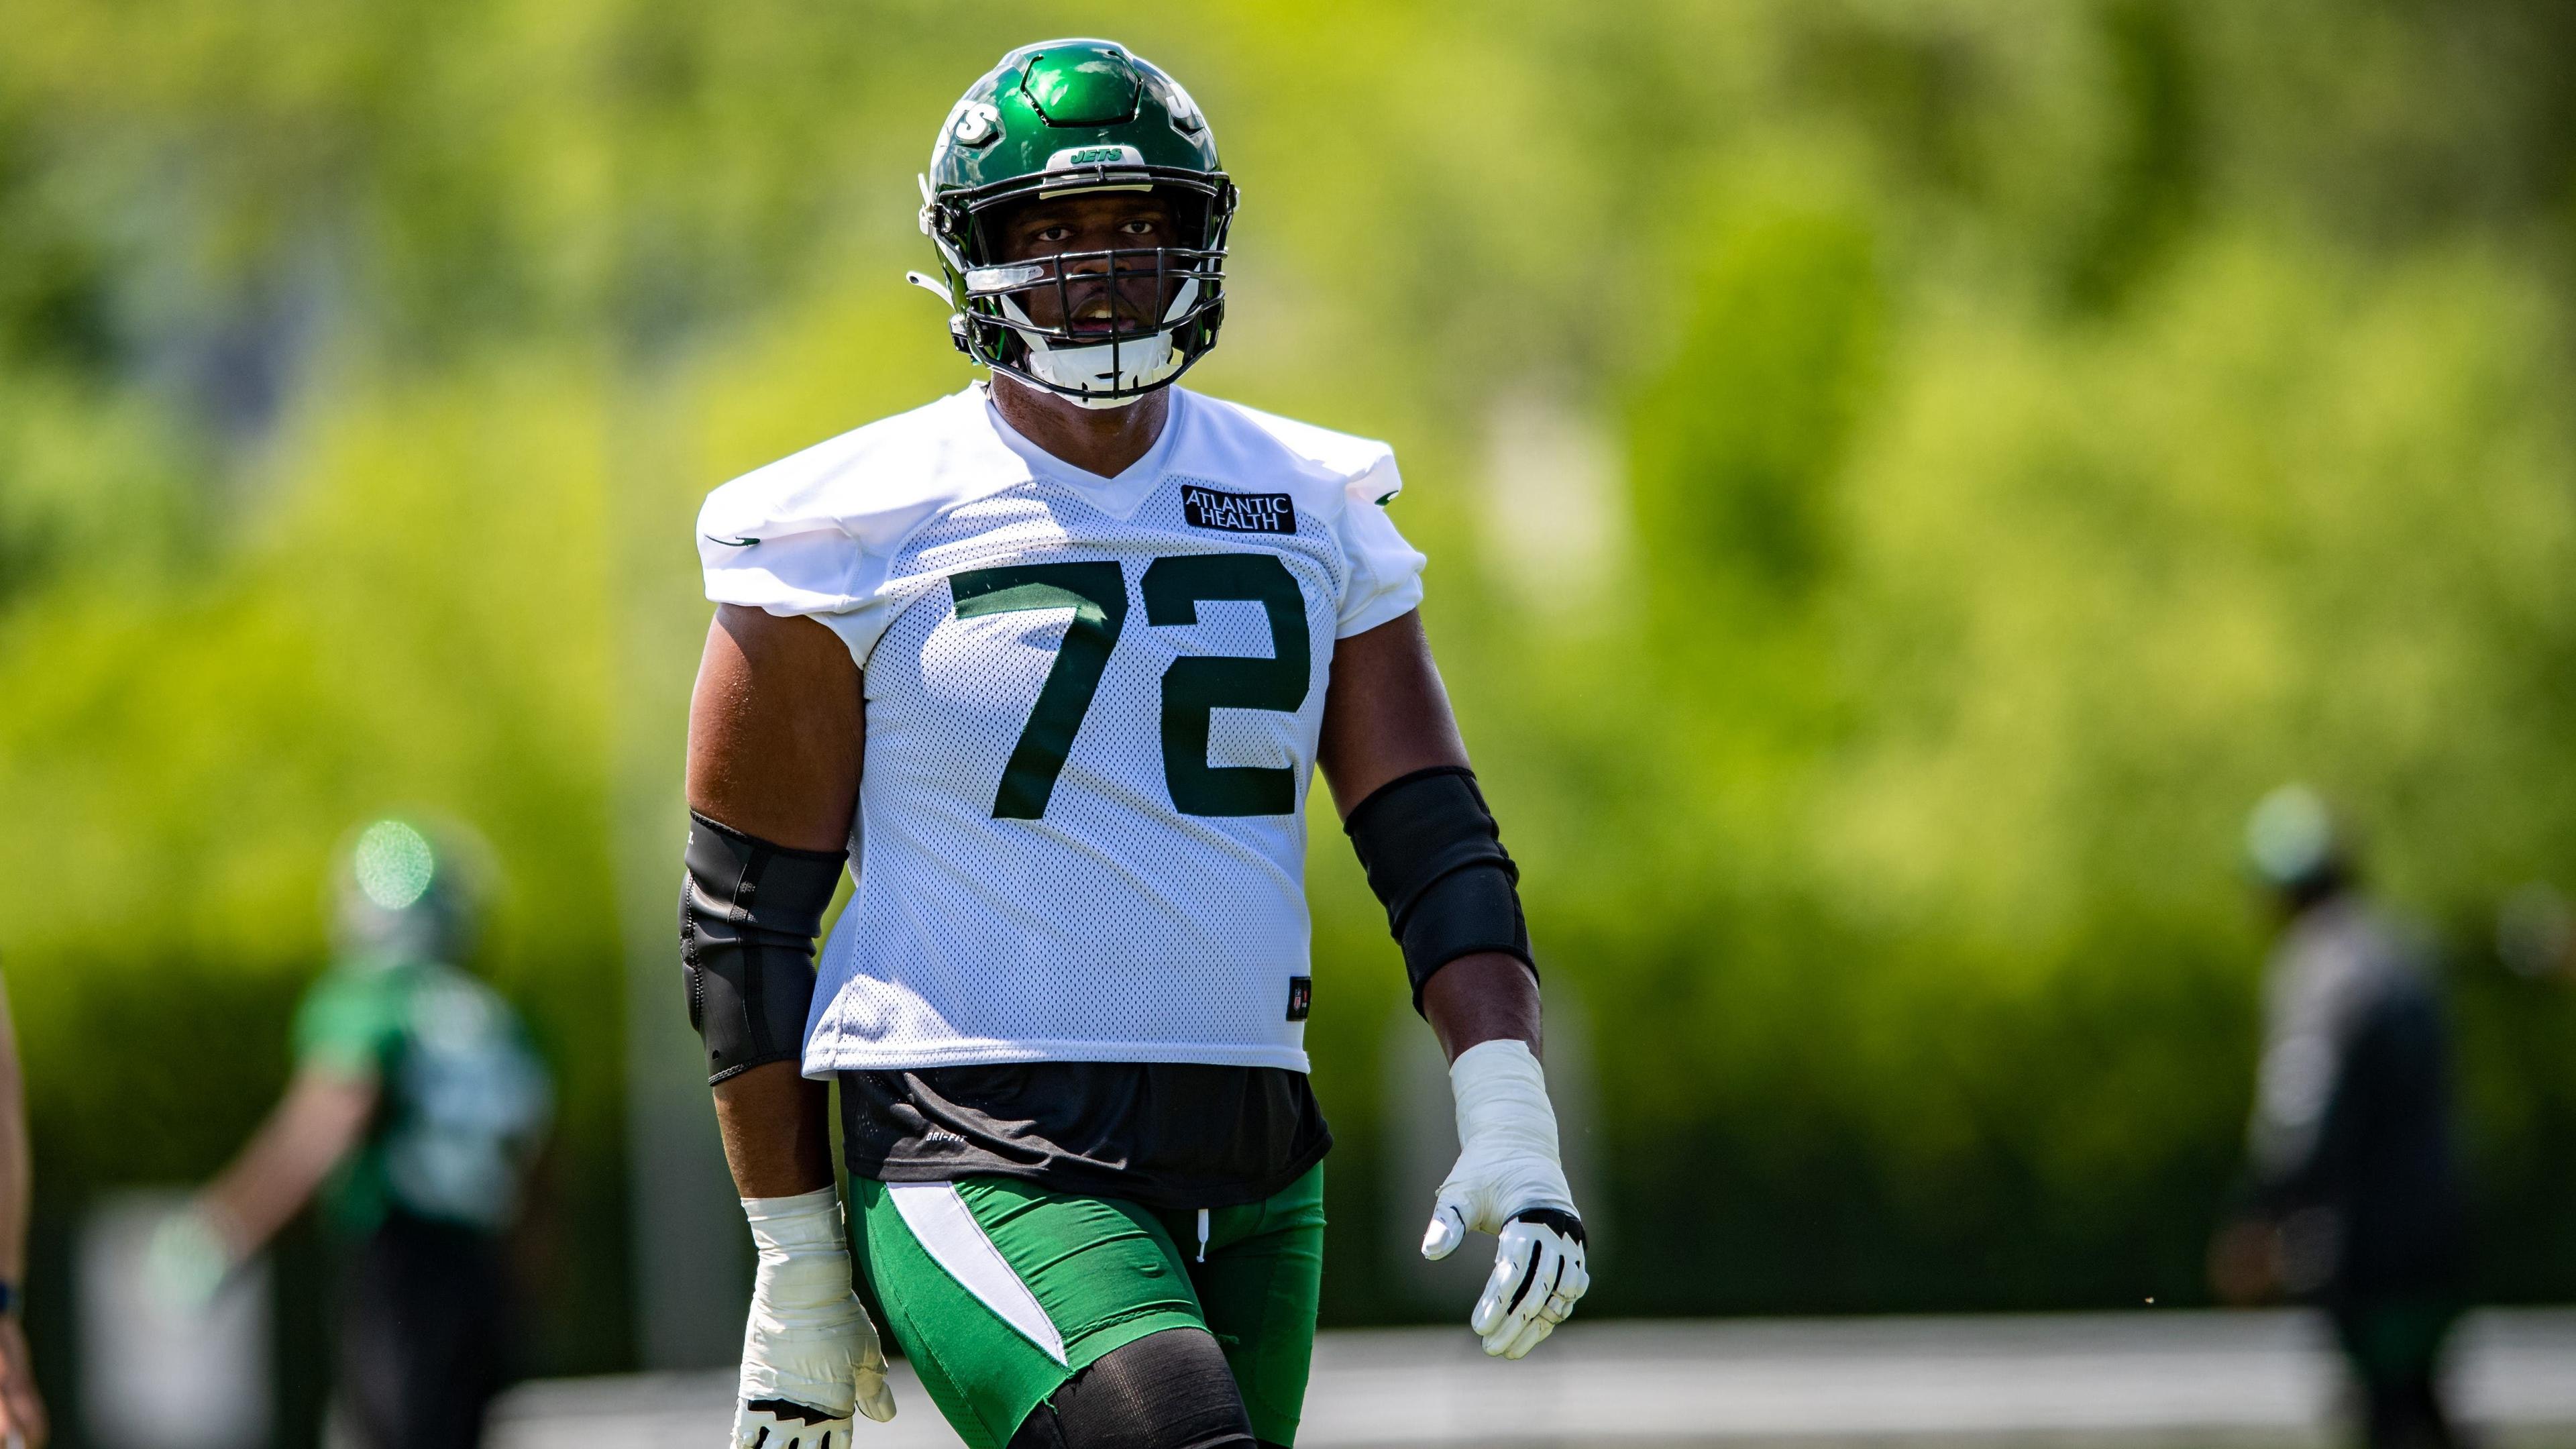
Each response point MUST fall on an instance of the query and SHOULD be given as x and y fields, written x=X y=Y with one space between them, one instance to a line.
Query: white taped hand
x=810 y=1358
x=1508 y=1182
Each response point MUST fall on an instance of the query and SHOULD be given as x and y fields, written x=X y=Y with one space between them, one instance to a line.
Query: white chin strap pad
x=1128 y=367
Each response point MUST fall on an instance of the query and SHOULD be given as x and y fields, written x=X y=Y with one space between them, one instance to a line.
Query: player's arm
x=774 y=755
x=1391 y=751
x=22 y=1413
x=322 y=1117
x=773 y=760
x=2322 y=1058
x=1387 y=719
x=317 y=1123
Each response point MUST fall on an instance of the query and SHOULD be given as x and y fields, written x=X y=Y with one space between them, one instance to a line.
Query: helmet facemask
x=1148 y=343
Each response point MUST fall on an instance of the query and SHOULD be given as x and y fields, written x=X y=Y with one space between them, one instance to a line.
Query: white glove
x=1508 y=1182
x=190 y=1256
x=809 y=1355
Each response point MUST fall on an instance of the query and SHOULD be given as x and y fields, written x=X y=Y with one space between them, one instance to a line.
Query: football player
x=1054 y=659
x=2353 y=1197
x=415 y=1116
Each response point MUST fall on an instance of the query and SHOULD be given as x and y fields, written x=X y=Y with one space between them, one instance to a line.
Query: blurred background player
x=2353 y=1198
x=416 y=1110
x=22 y=1413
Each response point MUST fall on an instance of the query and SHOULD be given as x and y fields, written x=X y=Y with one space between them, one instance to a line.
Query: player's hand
x=1508 y=1182
x=786 y=1424
x=810 y=1357
x=22 y=1413
x=2245 y=1262
x=188 y=1259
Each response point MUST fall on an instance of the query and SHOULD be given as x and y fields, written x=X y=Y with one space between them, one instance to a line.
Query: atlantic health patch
x=1238 y=512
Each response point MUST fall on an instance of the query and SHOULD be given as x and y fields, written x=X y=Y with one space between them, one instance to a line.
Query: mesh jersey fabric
x=1043 y=876
x=464 y=1096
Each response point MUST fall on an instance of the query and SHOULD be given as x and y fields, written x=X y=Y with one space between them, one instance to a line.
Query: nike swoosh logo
x=731 y=542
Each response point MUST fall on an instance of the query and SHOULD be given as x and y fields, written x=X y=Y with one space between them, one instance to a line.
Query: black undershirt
x=1161 y=1134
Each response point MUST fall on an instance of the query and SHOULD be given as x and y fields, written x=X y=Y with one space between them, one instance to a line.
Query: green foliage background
x=2038 y=428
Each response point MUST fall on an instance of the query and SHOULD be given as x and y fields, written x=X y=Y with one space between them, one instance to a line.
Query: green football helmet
x=1055 y=119
x=2294 y=844
x=408 y=892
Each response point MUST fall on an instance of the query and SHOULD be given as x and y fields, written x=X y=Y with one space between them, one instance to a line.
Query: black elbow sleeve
x=749 y=913
x=1435 y=858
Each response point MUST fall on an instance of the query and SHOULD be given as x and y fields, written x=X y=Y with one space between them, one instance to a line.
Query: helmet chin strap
x=1100 y=404
x=1127 y=367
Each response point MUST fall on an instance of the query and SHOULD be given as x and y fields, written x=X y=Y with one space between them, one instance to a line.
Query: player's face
x=1100 y=294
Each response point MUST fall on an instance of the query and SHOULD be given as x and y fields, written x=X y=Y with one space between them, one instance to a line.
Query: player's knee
x=1169 y=1390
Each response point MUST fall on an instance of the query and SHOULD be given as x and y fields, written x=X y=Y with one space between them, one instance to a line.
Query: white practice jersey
x=1092 y=706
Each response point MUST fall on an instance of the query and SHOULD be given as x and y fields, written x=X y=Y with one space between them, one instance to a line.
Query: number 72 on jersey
x=1193 y=687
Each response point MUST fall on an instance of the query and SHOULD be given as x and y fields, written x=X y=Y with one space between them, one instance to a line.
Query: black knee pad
x=1169 y=1390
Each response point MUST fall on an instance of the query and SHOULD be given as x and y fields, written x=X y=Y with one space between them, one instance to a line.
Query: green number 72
x=1193 y=687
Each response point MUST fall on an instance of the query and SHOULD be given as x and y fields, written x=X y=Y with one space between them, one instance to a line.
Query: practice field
x=2149 y=1380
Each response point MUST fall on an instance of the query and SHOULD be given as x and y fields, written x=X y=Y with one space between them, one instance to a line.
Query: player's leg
x=1259 y=1287
x=1000 y=1292
x=420 y=1335
x=372 y=1357
x=1168 y=1390
x=2395 y=1349
x=1241 y=1383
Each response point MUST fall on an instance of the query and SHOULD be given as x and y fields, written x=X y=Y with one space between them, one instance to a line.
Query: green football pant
x=999 y=1291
